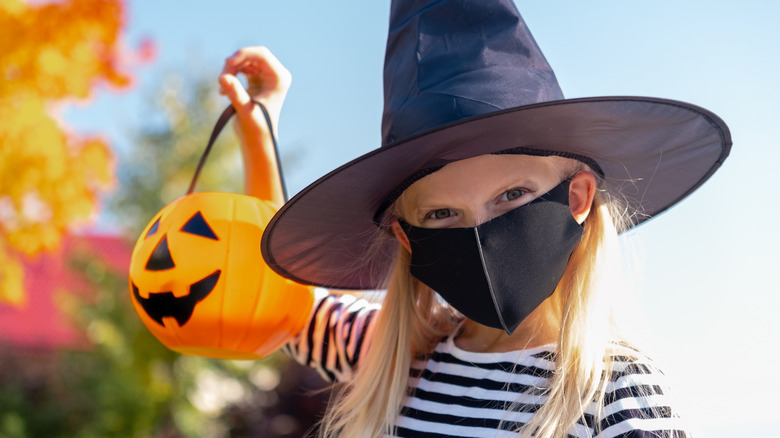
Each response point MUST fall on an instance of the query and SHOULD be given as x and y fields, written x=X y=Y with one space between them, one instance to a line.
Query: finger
x=257 y=57
x=256 y=60
x=231 y=87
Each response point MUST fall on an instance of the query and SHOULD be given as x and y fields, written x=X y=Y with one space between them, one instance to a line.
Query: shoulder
x=631 y=368
x=637 y=400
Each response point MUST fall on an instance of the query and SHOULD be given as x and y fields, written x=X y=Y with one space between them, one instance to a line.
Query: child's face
x=469 y=192
x=497 y=273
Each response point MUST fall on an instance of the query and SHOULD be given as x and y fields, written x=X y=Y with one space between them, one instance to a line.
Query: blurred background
x=105 y=106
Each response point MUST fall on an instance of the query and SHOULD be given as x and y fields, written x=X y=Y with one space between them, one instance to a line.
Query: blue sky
x=709 y=265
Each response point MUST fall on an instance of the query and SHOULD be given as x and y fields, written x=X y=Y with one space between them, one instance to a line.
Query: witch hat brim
x=465 y=78
x=652 y=153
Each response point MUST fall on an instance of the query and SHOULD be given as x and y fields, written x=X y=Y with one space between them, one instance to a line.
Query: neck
x=541 y=327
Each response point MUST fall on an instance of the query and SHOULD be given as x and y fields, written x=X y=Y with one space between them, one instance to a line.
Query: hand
x=268 y=81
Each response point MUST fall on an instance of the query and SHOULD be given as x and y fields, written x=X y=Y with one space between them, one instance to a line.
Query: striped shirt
x=457 y=393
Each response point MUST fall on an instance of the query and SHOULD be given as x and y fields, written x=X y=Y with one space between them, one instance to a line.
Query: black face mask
x=498 y=272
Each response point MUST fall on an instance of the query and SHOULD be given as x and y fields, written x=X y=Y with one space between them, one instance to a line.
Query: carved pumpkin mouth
x=165 y=304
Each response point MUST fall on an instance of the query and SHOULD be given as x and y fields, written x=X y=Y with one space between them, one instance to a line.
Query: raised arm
x=268 y=81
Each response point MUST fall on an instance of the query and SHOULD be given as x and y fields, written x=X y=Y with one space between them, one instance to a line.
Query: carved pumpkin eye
x=153 y=228
x=197 y=225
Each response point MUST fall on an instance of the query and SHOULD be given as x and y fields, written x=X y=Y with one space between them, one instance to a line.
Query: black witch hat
x=465 y=78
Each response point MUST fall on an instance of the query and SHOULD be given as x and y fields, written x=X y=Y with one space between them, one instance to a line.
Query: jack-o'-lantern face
x=167 y=304
x=200 y=285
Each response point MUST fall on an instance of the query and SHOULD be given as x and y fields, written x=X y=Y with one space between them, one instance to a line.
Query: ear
x=582 y=189
x=400 y=235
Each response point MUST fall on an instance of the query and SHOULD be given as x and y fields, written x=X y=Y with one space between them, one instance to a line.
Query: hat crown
x=454 y=59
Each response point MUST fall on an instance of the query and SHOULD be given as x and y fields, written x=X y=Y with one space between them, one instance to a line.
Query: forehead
x=486 y=171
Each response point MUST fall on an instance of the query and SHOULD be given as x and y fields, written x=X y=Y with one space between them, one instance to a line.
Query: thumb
x=231 y=87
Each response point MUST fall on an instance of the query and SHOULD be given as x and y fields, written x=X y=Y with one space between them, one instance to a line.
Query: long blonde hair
x=589 y=336
x=412 y=320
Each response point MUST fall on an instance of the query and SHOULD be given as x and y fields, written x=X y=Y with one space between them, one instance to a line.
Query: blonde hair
x=588 y=337
x=412 y=321
x=409 y=324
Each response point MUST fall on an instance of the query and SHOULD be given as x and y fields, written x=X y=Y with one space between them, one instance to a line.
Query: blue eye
x=510 y=195
x=441 y=213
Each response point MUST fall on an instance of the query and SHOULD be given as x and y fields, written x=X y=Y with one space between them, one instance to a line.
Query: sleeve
x=637 y=403
x=338 y=330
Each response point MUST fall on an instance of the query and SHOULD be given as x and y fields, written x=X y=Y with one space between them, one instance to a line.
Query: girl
x=490 y=215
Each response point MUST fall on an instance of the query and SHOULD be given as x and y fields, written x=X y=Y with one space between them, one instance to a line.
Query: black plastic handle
x=221 y=122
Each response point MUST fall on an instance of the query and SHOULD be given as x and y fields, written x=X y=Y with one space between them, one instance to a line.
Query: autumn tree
x=50 y=177
x=127 y=384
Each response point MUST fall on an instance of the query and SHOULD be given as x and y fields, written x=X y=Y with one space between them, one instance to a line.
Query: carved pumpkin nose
x=160 y=260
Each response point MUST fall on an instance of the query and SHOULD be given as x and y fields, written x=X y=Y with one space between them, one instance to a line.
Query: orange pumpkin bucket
x=199 y=283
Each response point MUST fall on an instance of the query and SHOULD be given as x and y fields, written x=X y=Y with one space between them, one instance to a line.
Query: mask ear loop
x=221 y=122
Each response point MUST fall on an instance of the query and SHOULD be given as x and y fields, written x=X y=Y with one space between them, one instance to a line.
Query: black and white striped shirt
x=457 y=393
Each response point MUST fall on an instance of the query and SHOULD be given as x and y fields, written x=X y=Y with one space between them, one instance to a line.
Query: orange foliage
x=50 y=178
